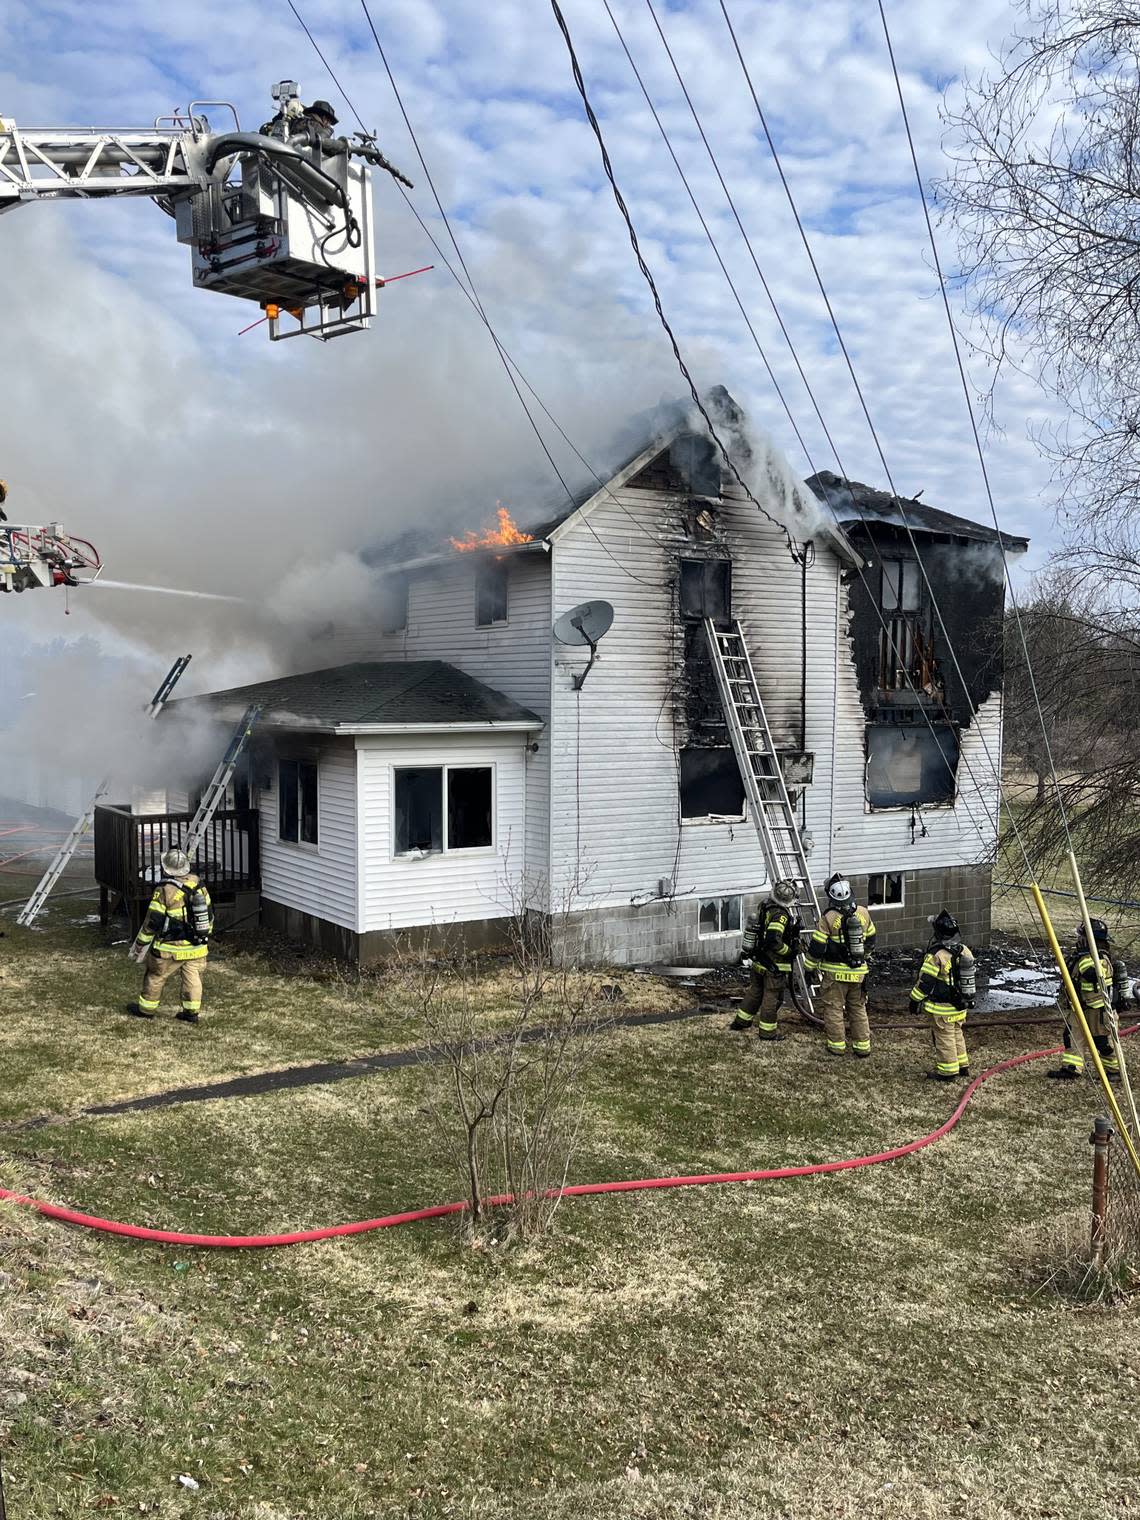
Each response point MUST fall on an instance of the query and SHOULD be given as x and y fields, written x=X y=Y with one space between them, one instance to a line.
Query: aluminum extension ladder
x=34 y=905
x=214 y=794
x=764 y=786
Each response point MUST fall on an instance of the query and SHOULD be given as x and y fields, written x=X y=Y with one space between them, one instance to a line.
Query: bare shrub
x=1056 y=1256
x=507 y=1093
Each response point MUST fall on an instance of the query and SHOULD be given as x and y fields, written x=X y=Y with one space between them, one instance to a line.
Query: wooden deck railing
x=129 y=848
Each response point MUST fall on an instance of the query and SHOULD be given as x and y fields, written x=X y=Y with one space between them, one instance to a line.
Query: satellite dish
x=585 y=625
x=588 y=623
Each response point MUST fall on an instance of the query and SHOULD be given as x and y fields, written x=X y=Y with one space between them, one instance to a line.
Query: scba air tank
x=855 y=937
x=1120 y=984
x=967 y=978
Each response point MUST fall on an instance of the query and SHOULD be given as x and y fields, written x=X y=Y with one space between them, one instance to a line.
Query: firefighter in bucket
x=175 y=937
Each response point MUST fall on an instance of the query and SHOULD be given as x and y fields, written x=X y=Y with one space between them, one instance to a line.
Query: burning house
x=463 y=754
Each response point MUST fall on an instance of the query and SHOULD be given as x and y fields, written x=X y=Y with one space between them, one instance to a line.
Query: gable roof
x=852 y=501
x=371 y=696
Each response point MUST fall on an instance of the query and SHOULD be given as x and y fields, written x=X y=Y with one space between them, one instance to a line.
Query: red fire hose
x=580 y=1190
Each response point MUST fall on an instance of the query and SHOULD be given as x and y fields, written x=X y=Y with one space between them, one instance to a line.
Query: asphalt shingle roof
x=878 y=507
x=375 y=692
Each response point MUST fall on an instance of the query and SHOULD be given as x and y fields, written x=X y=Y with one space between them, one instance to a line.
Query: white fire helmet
x=839 y=890
x=176 y=863
x=785 y=893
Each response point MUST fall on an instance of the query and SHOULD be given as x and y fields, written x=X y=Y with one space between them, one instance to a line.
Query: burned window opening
x=394 y=613
x=908 y=765
x=718 y=915
x=297 y=801
x=710 y=784
x=492 y=602
x=706 y=590
x=700 y=523
x=441 y=807
x=885 y=890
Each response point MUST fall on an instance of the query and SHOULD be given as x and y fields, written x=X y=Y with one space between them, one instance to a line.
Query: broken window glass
x=491 y=601
x=419 y=808
x=470 y=804
x=297 y=801
x=710 y=784
x=900 y=591
x=718 y=915
x=706 y=589
x=907 y=765
x=885 y=889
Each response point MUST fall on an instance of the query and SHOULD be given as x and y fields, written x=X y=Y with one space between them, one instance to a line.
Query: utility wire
x=974 y=423
x=871 y=596
x=481 y=313
x=647 y=273
x=897 y=501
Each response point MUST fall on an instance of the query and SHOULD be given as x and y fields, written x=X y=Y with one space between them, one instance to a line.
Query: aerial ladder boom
x=282 y=220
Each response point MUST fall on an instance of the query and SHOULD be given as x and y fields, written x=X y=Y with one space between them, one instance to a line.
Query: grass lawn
x=877 y=1343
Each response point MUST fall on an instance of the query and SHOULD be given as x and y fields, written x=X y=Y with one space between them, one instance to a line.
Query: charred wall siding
x=966 y=580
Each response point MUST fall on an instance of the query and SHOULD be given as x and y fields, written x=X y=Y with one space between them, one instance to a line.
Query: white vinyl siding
x=317 y=879
x=513 y=657
x=443 y=887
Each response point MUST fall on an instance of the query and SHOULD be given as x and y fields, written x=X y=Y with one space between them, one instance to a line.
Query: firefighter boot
x=187 y=1015
x=741 y=1021
x=1063 y=1073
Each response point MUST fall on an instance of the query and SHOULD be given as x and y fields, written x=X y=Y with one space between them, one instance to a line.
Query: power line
x=871 y=426
x=647 y=273
x=873 y=600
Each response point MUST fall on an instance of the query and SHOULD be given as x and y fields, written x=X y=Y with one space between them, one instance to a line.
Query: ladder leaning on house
x=214 y=794
x=760 y=770
x=34 y=905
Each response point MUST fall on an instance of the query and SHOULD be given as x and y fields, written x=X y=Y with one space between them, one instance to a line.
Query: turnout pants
x=842 y=1004
x=159 y=969
x=949 y=1037
x=764 y=996
x=1074 y=1055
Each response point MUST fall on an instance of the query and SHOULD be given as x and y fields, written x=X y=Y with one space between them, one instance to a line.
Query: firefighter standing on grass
x=174 y=937
x=1082 y=969
x=771 y=942
x=945 y=990
x=839 y=949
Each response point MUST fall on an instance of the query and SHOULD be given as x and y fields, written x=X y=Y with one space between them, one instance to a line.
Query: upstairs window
x=297 y=801
x=492 y=603
x=901 y=585
x=908 y=765
x=394 y=614
x=706 y=589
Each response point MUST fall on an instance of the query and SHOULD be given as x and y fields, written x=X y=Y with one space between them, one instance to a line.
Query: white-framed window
x=717 y=916
x=492 y=592
x=297 y=801
x=443 y=809
x=886 y=889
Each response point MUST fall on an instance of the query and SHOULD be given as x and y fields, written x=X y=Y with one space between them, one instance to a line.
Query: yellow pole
x=1110 y=1012
x=1051 y=935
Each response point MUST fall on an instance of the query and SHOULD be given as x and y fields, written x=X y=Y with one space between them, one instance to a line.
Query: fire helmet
x=944 y=924
x=176 y=863
x=839 y=890
x=1099 y=929
x=322 y=108
x=785 y=893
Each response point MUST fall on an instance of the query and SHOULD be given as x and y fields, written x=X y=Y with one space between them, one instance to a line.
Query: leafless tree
x=1044 y=191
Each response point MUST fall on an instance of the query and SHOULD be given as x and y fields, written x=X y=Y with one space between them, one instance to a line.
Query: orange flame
x=493 y=538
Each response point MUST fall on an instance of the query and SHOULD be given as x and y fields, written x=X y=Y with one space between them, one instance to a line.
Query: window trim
x=887 y=907
x=711 y=820
x=721 y=899
x=445 y=767
x=481 y=568
x=313 y=847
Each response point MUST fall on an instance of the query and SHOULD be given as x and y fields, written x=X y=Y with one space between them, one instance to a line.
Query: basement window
x=297 y=801
x=706 y=589
x=885 y=890
x=710 y=784
x=444 y=808
x=491 y=599
x=718 y=915
x=908 y=765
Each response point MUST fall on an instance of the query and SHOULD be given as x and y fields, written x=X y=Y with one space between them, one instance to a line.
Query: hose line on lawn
x=578 y=1190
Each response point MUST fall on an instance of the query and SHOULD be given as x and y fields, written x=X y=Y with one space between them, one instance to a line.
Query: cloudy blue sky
x=134 y=412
